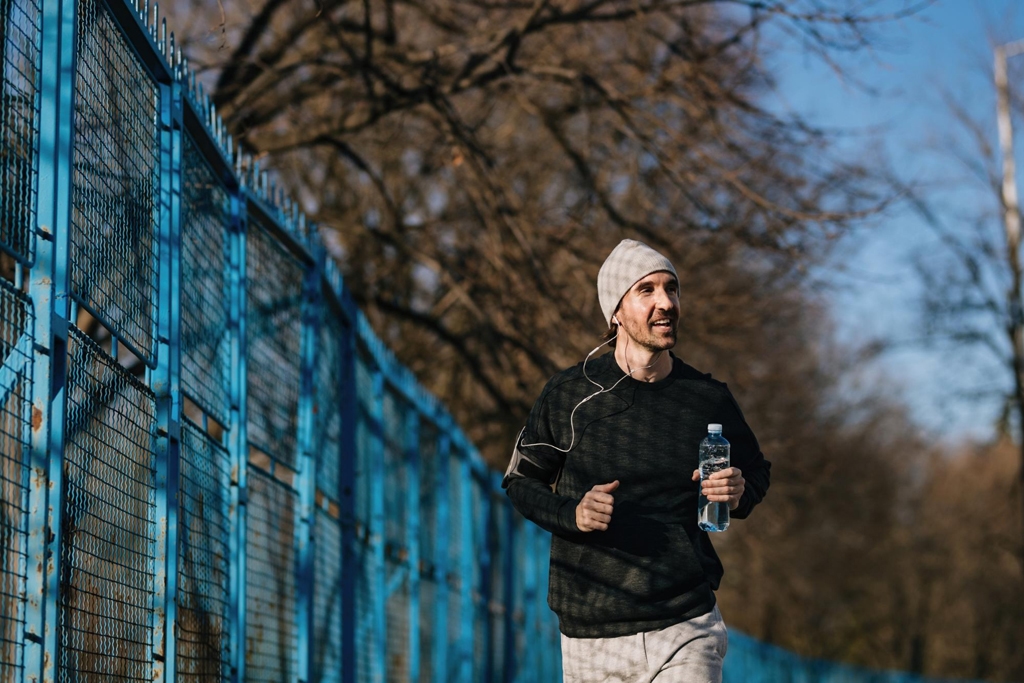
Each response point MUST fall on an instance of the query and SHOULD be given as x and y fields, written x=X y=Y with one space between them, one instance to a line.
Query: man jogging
x=607 y=463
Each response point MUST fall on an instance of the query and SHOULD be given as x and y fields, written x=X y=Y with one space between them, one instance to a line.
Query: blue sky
x=945 y=50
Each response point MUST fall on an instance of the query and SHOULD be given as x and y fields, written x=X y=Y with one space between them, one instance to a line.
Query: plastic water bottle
x=713 y=456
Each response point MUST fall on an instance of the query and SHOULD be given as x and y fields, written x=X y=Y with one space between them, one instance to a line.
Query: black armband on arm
x=528 y=482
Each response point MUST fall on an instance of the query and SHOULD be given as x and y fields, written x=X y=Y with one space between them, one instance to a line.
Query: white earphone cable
x=601 y=390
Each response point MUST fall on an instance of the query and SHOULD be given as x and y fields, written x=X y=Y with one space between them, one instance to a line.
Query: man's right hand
x=594 y=512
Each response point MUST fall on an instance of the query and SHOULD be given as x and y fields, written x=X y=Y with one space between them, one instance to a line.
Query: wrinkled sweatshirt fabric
x=653 y=567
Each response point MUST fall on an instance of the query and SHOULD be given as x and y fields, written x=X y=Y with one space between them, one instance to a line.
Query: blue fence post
x=412 y=534
x=482 y=536
x=167 y=386
x=510 y=537
x=238 y=441
x=377 y=568
x=443 y=568
x=527 y=564
x=347 y=511
x=466 y=566
x=549 y=625
x=521 y=563
x=48 y=287
x=306 y=480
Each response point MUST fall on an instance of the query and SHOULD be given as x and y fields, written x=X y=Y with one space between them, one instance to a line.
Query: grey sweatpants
x=688 y=652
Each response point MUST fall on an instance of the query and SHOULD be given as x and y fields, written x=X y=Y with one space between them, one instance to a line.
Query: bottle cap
x=715 y=428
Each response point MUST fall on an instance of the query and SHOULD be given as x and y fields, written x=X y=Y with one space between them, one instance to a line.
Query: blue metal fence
x=210 y=467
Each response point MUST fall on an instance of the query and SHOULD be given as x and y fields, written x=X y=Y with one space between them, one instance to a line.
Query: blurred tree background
x=473 y=161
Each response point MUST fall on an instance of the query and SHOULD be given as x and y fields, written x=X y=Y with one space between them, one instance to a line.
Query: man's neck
x=646 y=365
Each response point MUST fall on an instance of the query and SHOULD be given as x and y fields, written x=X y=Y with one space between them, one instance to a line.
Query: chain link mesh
x=114 y=185
x=327 y=659
x=106 y=599
x=273 y=326
x=16 y=322
x=454 y=578
x=364 y=435
x=203 y=529
x=366 y=591
x=328 y=399
x=205 y=296
x=395 y=471
x=20 y=33
x=519 y=548
x=429 y=558
x=476 y=526
x=397 y=628
x=496 y=608
x=395 y=496
x=428 y=614
x=271 y=642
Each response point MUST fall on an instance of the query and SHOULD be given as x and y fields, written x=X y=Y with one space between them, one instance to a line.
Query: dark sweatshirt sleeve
x=531 y=475
x=745 y=454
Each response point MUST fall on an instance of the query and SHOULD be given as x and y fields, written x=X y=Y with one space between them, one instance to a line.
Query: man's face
x=649 y=312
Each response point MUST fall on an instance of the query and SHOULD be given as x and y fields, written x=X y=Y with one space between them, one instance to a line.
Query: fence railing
x=210 y=467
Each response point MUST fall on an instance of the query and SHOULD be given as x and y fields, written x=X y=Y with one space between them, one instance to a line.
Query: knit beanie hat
x=629 y=262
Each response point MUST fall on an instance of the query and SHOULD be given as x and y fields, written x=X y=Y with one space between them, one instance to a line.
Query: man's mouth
x=663 y=322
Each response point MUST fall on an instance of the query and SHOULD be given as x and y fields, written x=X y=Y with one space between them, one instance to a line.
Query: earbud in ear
x=615 y=320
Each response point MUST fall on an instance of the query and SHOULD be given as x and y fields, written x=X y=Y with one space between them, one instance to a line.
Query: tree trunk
x=1011 y=222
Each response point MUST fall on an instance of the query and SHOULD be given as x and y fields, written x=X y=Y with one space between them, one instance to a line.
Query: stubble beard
x=642 y=337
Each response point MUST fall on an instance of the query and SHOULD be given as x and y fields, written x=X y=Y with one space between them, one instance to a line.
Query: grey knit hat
x=629 y=262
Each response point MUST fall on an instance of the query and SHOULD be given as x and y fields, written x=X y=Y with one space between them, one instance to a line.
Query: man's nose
x=666 y=301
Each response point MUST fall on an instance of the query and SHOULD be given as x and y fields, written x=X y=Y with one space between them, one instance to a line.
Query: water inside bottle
x=712 y=516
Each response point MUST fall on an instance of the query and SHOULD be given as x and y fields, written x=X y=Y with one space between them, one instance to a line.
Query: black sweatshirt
x=653 y=567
